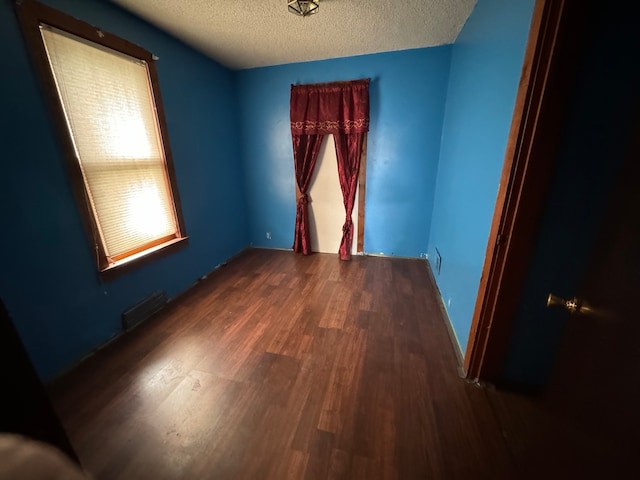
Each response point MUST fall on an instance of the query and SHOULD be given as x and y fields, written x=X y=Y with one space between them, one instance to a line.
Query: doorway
x=326 y=209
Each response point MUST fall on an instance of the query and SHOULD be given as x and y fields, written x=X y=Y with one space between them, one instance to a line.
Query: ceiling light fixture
x=304 y=8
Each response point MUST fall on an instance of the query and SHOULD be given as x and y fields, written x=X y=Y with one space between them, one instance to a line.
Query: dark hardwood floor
x=280 y=366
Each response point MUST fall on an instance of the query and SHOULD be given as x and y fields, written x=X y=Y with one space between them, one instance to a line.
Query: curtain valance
x=330 y=108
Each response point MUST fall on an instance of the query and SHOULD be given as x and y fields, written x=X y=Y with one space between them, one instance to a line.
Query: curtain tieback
x=304 y=199
x=348 y=224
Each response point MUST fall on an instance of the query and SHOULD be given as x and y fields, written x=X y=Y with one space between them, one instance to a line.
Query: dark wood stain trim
x=30 y=15
x=362 y=189
x=168 y=155
x=142 y=248
x=35 y=13
x=548 y=69
x=115 y=271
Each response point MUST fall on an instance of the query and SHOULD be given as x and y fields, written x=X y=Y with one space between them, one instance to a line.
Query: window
x=105 y=98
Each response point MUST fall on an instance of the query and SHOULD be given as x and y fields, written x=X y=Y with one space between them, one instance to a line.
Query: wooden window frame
x=31 y=14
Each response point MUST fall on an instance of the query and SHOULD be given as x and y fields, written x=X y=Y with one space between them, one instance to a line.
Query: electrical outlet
x=268 y=235
x=438 y=261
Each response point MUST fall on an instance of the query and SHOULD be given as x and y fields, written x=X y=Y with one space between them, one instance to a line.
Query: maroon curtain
x=341 y=109
x=305 y=153
x=348 y=152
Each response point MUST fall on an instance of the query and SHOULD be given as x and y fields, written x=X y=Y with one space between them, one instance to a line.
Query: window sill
x=125 y=265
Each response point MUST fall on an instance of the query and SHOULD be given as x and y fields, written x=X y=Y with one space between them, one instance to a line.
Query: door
x=595 y=385
x=326 y=208
x=586 y=422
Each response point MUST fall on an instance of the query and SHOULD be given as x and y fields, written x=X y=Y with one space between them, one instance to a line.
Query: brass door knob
x=573 y=305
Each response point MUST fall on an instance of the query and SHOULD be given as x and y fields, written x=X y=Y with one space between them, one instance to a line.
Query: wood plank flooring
x=280 y=366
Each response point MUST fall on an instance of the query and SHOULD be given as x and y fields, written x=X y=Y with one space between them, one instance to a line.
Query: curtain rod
x=331 y=84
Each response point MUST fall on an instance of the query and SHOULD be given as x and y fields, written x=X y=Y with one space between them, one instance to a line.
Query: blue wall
x=407 y=93
x=430 y=182
x=485 y=70
x=48 y=281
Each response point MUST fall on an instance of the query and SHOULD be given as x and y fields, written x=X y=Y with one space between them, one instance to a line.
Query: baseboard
x=384 y=255
x=452 y=333
x=357 y=254
x=262 y=247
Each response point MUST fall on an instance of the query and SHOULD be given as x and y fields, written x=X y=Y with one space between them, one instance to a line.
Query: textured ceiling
x=242 y=34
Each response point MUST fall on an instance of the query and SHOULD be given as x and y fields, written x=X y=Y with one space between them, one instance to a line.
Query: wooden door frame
x=362 y=187
x=548 y=72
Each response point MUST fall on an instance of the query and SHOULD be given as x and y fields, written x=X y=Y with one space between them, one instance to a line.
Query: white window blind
x=110 y=111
